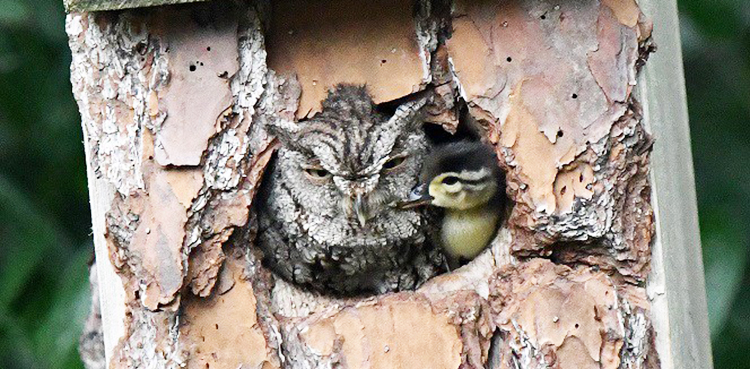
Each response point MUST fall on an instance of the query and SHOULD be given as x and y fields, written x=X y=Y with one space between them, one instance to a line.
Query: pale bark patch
x=356 y=42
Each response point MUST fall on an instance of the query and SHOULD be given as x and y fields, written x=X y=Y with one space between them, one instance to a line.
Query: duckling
x=464 y=179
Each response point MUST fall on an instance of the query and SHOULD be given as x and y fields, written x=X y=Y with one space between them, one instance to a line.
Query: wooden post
x=676 y=286
x=174 y=103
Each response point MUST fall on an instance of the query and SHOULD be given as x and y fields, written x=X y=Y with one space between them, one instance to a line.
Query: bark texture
x=94 y=5
x=173 y=103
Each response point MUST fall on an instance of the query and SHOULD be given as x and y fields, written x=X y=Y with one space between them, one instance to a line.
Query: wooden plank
x=97 y=5
x=676 y=286
x=111 y=292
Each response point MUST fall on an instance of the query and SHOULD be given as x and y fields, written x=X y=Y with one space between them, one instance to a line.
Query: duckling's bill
x=419 y=196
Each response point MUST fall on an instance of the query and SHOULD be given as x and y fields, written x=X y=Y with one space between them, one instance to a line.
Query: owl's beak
x=418 y=196
x=361 y=209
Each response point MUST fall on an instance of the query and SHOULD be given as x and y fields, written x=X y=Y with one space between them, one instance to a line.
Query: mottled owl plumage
x=325 y=220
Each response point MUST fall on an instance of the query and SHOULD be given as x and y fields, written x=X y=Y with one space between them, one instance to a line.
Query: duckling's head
x=460 y=176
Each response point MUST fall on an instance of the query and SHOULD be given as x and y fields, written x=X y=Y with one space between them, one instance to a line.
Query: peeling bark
x=326 y=43
x=566 y=318
x=174 y=101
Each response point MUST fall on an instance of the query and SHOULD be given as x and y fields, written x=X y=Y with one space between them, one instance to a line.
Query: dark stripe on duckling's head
x=459 y=156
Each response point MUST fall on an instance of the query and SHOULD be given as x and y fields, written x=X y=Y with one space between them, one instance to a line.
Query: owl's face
x=345 y=167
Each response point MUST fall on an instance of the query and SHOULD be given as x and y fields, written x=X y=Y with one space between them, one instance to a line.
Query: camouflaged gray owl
x=326 y=214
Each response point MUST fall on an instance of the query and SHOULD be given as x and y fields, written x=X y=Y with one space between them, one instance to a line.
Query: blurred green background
x=45 y=221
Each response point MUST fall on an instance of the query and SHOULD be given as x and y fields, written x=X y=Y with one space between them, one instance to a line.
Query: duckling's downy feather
x=465 y=179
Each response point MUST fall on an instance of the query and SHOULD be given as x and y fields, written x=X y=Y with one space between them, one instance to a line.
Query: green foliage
x=716 y=47
x=44 y=216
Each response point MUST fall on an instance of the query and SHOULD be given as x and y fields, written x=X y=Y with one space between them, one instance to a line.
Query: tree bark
x=174 y=101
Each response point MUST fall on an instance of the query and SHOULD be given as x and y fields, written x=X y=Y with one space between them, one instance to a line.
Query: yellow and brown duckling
x=464 y=179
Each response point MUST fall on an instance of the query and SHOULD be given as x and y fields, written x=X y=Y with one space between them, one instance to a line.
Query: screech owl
x=326 y=219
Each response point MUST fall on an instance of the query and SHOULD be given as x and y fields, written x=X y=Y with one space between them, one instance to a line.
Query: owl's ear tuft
x=286 y=131
x=343 y=97
x=408 y=116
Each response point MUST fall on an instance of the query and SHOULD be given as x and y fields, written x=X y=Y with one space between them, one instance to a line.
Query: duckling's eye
x=317 y=173
x=450 y=180
x=393 y=163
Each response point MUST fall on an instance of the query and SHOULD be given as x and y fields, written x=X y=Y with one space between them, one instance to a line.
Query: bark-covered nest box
x=174 y=100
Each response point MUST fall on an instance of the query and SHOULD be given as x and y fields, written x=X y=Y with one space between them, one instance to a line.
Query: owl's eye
x=317 y=173
x=393 y=163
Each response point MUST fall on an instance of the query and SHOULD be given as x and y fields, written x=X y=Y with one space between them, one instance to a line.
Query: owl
x=326 y=220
